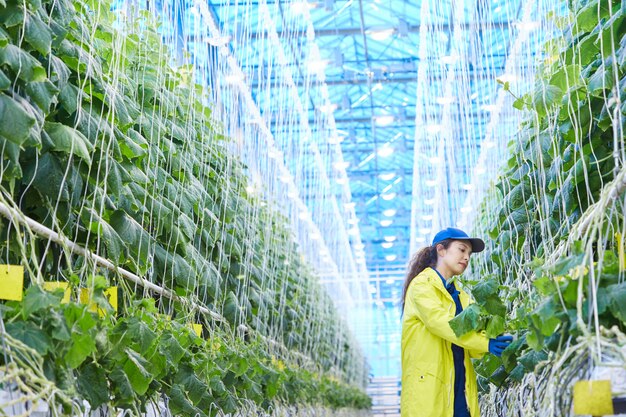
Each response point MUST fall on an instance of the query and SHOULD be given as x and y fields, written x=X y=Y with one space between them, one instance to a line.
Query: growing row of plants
x=567 y=151
x=144 y=356
x=105 y=142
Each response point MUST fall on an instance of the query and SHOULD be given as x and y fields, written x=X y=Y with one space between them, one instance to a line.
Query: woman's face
x=456 y=257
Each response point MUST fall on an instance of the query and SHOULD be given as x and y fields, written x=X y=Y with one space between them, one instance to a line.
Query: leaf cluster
x=105 y=142
x=129 y=362
x=562 y=157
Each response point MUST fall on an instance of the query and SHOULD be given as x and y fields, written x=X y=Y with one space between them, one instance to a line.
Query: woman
x=438 y=378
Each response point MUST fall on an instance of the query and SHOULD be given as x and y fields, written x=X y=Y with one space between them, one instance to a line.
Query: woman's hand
x=497 y=345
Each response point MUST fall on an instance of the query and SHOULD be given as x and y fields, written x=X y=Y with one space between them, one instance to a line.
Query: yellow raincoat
x=427 y=362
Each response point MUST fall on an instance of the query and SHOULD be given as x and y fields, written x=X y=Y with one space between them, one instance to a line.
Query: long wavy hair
x=423 y=258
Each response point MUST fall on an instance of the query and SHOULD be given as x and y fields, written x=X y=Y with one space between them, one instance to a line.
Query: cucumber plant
x=566 y=152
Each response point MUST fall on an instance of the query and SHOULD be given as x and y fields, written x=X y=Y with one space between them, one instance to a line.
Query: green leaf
x=171 y=349
x=132 y=234
x=172 y=265
x=519 y=104
x=69 y=140
x=486 y=294
x=544 y=317
x=509 y=356
x=534 y=338
x=602 y=298
x=136 y=174
x=601 y=80
x=116 y=249
x=545 y=97
x=43 y=94
x=217 y=386
x=231 y=310
x=114 y=177
x=15 y=121
x=485 y=289
x=78 y=59
x=38 y=34
x=76 y=318
x=239 y=366
x=517 y=374
x=35 y=299
x=531 y=359
x=468 y=320
x=517 y=196
x=590 y=16
x=611 y=33
x=121 y=110
x=130 y=149
x=545 y=285
x=567 y=77
x=92 y=125
x=138 y=139
x=135 y=369
x=69 y=98
x=49 y=178
x=11 y=154
x=92 y=385
x=179 y=404
x=495 y=327
x=195 y=388
x=81 y=347
x=141 y=333
x=30 y=335
x=564 y=265
x=617 y=300
x=59 y=72
x=24 y=65
x=498 y=376
x=493 y=305
x=59 y=327
x=11 y=16
x=121 y=385
x=5 y=82
x=34 y=5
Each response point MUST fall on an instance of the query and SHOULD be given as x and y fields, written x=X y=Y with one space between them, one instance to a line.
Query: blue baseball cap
x=457 y=234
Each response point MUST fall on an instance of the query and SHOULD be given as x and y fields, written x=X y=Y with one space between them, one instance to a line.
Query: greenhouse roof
x=370 y=55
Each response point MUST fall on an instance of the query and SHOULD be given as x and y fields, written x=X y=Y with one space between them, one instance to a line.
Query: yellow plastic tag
x=110 y=293
x=197 y=328
x=11 y=282
x=593 y=397
x=55 y=285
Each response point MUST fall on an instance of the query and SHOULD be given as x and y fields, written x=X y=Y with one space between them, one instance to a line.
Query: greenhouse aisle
x=385 y=395
x=215 y=208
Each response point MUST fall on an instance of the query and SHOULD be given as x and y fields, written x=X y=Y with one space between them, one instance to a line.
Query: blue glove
x=497 y=345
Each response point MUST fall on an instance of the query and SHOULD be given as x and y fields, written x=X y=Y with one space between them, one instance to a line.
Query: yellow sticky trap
x=55 y=285
x=197 y=328
x=593 y=398
x=110 y=293
x=84 y=296
x=11 y=282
